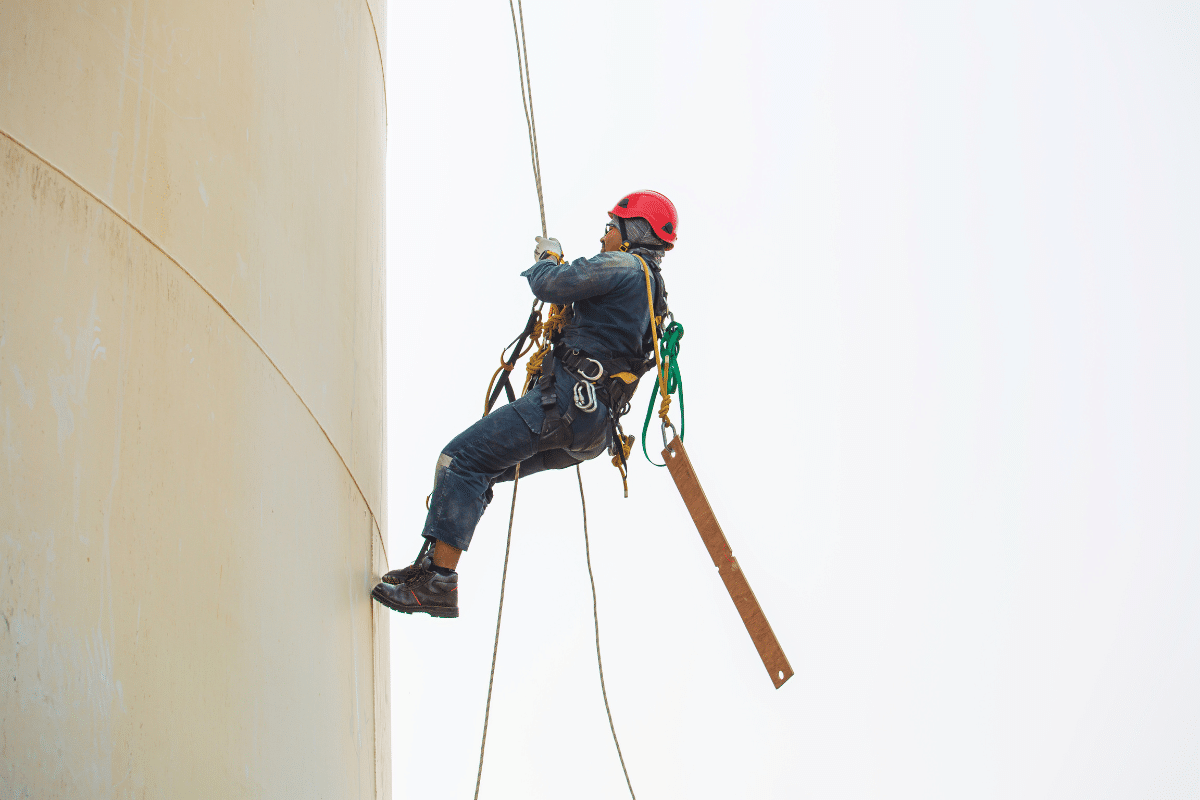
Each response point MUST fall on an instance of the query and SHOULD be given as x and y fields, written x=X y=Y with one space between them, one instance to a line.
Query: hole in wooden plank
x=780 y=674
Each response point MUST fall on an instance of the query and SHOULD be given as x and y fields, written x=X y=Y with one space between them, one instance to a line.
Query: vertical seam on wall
x=374 y=684
x=371 y=605
x=232 y=318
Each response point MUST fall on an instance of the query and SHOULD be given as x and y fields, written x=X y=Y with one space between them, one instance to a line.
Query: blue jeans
x=489 y=450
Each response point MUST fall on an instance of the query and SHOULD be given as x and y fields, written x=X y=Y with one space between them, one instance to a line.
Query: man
x=570 y=414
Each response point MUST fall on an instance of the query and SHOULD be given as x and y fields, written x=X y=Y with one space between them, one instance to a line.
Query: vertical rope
x=596 y=616
x=527 y=104
x=487 y=711
x=531 y=127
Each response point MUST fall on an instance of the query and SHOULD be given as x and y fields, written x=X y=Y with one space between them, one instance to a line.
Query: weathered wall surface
x=191 y=399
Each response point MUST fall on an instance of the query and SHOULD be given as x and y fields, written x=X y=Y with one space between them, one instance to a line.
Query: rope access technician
x=571 y=413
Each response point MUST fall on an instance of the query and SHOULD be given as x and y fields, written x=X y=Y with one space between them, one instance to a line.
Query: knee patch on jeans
x=443 y=464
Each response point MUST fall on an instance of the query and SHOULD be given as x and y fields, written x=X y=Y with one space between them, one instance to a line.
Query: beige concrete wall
x=192 y=399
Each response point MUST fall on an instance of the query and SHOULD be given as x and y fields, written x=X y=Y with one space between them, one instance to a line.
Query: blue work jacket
x=611 y=314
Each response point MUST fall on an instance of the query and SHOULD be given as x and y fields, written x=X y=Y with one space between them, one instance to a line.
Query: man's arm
x=577 y=280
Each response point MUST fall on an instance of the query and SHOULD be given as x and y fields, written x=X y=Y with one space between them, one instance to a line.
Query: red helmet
x=653 y=207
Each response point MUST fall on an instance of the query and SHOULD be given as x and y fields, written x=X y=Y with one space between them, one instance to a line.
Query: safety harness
x=611 y=382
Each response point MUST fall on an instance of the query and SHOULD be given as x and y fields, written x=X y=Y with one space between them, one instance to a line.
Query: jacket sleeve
x=576 y=280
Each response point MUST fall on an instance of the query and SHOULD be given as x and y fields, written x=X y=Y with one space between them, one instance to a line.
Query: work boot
x=398 y=576
x=421 y=591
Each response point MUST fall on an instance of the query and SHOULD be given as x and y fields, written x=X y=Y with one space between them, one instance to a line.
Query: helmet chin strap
x=624 y=238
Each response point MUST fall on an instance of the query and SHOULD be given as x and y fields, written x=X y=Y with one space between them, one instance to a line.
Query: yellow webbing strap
x=665 y=405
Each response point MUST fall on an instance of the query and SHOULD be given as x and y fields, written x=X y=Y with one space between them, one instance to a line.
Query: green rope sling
x=669 y=354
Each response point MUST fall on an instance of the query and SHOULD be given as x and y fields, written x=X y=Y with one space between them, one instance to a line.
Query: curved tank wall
x=192 y=399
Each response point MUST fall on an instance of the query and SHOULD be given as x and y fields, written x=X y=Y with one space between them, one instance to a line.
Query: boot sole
x=446 y=612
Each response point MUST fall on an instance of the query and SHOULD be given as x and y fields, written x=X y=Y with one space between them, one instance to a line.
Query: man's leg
x=471 y=463
x=465 y=472
x=551 y=459
x=445 y=555
x=467 y=468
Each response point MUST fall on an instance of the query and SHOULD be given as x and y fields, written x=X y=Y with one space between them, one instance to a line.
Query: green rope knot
x=668 y=345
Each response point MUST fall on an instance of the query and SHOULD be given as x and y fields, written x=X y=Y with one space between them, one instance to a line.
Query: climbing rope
x=487 y=711
x=596 y=617
x=553 y=324
x=527 y=92
x=540 y=335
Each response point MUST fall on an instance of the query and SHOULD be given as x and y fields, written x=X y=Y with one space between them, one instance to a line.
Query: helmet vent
x=669 y=227
x=624 y=203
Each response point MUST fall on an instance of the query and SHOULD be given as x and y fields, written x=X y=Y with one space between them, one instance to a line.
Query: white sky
x=937 y=265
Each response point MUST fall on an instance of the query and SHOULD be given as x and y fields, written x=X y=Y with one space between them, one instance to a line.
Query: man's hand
x=547 y=248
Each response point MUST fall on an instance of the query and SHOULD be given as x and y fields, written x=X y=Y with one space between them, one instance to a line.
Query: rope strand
x=527 y=104
x=553 y=320
x=587 y=550
x=487 y=711
x=530 y=126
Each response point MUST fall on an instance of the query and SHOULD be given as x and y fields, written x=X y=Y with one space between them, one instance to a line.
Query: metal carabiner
x=585 y=397
x=667 y=442
x=599 y=371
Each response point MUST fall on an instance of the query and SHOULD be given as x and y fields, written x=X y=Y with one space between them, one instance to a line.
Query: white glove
x=547 y=248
